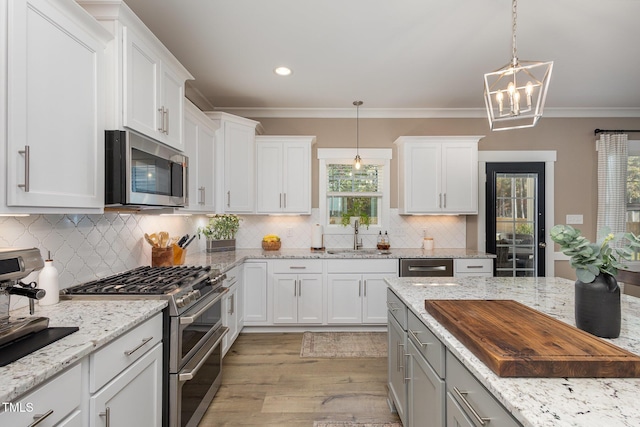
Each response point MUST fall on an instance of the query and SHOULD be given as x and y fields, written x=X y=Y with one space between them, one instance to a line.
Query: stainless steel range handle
x=38 y=418
x=189 y=375
x=27 y=160
x=186 y=320
x=144 y=341
x=107 y=416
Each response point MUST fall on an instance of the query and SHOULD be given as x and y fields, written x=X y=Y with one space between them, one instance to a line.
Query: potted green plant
x=220 y=232
x=597 y=294
x=357 y=207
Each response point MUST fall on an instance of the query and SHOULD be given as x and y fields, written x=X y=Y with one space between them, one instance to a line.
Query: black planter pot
x=598 y=306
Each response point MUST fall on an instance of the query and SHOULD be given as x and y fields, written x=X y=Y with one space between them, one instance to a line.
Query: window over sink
x=344 y=188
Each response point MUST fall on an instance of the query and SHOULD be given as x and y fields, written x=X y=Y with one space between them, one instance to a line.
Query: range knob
x=180 y=302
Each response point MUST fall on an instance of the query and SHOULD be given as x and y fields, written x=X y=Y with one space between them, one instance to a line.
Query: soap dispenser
x=48 y=280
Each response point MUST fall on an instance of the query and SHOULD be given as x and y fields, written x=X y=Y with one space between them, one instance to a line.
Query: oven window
x=193 y=334
x=151 y=174
x=195 y=390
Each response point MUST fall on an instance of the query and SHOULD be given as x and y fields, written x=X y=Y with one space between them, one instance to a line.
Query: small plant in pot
x=597 y=294
x=357 y=207
x=220 y=232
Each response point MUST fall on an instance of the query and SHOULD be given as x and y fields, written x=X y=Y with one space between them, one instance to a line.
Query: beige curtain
x=612 y=181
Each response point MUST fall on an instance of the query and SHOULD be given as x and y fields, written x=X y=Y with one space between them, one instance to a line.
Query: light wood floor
x=265 y=382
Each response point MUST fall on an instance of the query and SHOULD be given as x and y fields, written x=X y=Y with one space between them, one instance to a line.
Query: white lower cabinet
x=233 y=308
x=473 y=267
x=297 y=298
x=57 y=402
x=133 y=398
x=255 y=292
x=356 y=291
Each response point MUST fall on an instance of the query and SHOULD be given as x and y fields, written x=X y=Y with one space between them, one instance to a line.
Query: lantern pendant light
x=357 y=162
x=515 y=94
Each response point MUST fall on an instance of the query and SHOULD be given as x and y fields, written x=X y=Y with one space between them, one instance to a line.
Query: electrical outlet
x=574 y=219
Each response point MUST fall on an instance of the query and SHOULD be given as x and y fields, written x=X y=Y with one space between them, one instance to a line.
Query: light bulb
x=500 y=98
x=529 y=91
x=358 y=161
x=511 y=88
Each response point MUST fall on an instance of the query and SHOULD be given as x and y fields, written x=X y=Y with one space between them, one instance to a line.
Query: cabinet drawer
x=59 y=396
x=427 y=343
x=363 y=266
x=233 y=276
x=397 y=308
x=469 y=393
x=112 y=359
x=297 y=266
x=473 y=265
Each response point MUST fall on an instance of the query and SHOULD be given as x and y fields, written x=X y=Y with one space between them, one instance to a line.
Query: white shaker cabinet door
x=172 y=89
x=460 y=177
x=55 y=126
x=296 y=182
x=239 y=168
x=141 y=86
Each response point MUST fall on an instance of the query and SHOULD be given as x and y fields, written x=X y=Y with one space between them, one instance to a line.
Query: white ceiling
x=404 y=55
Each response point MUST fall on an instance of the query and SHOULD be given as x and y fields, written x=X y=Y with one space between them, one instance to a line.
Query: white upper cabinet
x=235 y=163
x=438 y=174
x=199 y=140
x=147 y=80
x=52 y=107
x=284 y=174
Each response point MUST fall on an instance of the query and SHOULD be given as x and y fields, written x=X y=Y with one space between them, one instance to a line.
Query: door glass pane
x=516 y=225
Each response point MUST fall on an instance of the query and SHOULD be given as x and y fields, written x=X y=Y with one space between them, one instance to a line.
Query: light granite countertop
x=99 y=321
x=227 y=260
x=540 y=402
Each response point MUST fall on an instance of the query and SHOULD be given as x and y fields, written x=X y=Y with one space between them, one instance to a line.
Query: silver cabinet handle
x=297 y=267
x=400 y=349
x=285 y=200
x=474 y=266
x=27 y=161
x=107 y=416
x=445 y=200
x=161 y=111
x=144 y=341
x=228 y=198
x=38 y=418
x=392 y=306
x=440 y=200
x=232 y=304
x=165 y=123
x=299 y=287
x=202 y=195
x=398 y=366
x=280 y=199
x=365 y=288
x=295 y=287
x=359 y=288
x=406 y=379
x=461 y=395
x=414 y=334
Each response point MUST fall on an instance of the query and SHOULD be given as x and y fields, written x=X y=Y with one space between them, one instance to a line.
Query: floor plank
x=265 y=382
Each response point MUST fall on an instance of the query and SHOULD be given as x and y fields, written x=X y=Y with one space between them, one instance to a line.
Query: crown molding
x=416 y=113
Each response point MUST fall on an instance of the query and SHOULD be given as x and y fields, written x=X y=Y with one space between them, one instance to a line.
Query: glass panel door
x=515 y=218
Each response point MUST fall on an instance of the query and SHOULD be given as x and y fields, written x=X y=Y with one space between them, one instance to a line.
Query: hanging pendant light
x=357 y=162
x=515 y=94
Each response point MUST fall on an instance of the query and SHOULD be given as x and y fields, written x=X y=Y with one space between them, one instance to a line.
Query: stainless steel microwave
x=143 y=173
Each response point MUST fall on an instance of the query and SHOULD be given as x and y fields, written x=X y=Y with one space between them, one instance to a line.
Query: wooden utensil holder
x=162 y=257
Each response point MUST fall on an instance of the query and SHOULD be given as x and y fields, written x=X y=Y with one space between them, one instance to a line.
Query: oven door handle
x=188 y=375
x=185 y=320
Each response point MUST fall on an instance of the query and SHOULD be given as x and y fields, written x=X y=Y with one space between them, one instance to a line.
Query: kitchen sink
x=357 y=252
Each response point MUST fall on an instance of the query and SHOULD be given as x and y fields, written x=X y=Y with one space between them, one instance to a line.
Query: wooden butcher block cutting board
x=517 y=341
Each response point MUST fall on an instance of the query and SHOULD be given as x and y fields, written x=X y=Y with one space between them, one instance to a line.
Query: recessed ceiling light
x=283 y=71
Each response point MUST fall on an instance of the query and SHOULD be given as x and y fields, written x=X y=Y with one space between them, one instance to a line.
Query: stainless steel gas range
x=193 y=330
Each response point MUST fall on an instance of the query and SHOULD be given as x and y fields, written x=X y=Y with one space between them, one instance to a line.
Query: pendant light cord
x=514 y=16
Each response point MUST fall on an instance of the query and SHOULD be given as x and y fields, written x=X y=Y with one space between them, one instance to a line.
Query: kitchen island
x=535 y=401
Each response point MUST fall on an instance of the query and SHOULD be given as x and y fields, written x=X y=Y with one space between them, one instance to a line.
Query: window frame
x=375 y=156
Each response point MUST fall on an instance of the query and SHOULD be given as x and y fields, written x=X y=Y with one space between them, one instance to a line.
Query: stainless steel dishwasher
x=429 y=267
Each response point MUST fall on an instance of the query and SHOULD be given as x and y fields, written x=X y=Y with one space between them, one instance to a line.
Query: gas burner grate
x=147 y=280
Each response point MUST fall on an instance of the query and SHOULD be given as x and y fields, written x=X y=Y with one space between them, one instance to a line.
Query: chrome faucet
x=356 y=245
